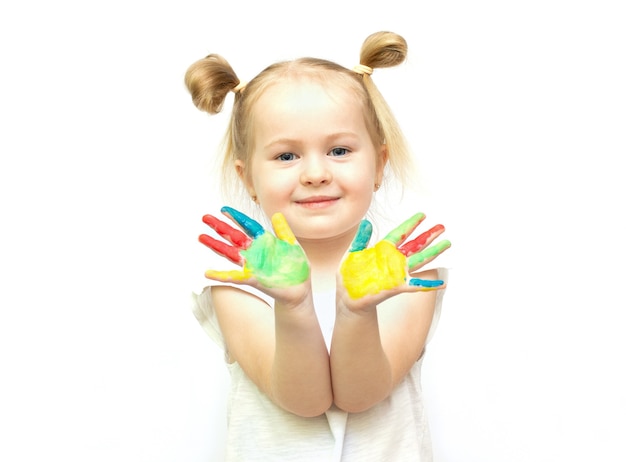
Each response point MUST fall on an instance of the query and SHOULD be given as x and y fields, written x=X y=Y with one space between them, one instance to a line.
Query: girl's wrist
x=353 y=307
x=295 y=298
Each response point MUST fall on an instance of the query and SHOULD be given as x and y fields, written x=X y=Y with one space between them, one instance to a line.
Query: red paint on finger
x=421 y=241
x=222 y=248
x=228 y=232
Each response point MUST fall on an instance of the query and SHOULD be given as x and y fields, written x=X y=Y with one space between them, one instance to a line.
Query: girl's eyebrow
x=280 y=142
x=329 y=139
x=344 y=134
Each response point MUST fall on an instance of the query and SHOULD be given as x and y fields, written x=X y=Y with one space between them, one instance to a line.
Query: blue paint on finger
x=252 y=227
x=425 y=282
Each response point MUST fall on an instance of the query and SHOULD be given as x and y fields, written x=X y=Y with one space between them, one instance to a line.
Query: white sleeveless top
x=396 y=429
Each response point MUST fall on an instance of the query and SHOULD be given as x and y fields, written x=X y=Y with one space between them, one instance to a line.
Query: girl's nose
x=315 y=173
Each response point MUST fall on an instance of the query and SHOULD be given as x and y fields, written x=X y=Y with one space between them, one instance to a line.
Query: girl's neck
x=324 y=256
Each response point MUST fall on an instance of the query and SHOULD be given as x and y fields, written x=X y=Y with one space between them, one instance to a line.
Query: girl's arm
x=281 y=350
x=375 y=347
x=384 y=313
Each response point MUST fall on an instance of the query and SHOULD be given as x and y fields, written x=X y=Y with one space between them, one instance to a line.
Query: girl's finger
x=251 y=227
x=426 y=284
x=282 y=229
x=362 y=237
x=221 y=248
x=421 y=258
x=400 y=233
x=421 y=241
x=229 y=233
x=228 y=276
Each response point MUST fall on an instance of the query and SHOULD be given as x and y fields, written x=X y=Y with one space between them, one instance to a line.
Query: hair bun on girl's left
x=209 y=80
x=383 y=49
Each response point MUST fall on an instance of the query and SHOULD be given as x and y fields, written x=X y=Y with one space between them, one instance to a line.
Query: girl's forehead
x=291 y=107
x=305 y=93
x=297 y=102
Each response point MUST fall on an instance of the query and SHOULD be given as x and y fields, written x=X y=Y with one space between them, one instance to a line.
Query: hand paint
x=385 y=266
x=274 y=261
x=370 y=271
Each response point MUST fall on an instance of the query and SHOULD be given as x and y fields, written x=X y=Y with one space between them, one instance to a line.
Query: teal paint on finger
x=425 y=282
x=362 y=237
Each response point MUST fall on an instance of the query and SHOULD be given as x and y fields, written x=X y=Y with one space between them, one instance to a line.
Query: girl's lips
x=317 y=202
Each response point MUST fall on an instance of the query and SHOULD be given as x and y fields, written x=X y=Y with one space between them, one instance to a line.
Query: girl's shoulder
x=214 y=298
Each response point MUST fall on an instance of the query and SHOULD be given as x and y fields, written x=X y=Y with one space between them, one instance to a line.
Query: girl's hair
x=210 y=79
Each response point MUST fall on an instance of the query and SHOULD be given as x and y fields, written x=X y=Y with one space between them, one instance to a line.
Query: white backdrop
x=515 y=111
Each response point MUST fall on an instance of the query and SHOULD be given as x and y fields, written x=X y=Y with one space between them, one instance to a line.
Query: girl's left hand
x=371 y=275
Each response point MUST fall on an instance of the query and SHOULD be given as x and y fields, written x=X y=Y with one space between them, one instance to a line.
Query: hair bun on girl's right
x=383 y=49
x=209 y=80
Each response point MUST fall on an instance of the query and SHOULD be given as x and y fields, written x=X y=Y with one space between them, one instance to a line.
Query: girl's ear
x=240 y=168
x=383 y=157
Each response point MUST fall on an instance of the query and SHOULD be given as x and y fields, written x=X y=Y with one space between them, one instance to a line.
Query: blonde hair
x=210 y=79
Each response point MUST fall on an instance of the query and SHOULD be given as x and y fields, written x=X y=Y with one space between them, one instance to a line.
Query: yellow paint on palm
x=373 y=270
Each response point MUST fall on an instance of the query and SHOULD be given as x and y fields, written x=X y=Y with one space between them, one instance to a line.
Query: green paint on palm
x=276 y=263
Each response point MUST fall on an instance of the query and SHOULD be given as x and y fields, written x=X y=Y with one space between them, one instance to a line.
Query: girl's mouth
x=317 y=202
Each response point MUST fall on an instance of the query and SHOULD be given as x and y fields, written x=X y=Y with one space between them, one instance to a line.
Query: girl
x=323 y=336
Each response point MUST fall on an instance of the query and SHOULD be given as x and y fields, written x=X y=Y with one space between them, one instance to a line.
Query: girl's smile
x=318 y=202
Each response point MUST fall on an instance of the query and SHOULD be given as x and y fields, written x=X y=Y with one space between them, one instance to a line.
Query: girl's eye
x=338 y=152
x=286 y=156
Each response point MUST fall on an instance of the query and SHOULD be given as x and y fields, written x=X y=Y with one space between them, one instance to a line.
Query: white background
x=516 y=114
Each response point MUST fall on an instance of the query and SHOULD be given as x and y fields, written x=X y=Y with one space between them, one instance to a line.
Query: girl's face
x=312 y=159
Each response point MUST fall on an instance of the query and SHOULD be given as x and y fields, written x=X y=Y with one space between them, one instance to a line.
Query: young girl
x=323 y=335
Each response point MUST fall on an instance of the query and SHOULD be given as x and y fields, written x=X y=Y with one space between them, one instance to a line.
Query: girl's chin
x=325 y=233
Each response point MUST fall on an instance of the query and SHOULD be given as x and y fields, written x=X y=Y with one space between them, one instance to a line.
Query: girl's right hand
x=276 y=265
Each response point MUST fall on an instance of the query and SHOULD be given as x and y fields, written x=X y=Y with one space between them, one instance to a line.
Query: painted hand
x=387 y=266
x=267 y=261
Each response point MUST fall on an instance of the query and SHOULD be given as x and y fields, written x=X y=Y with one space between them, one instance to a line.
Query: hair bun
x=209 y=80
x=383 y=49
